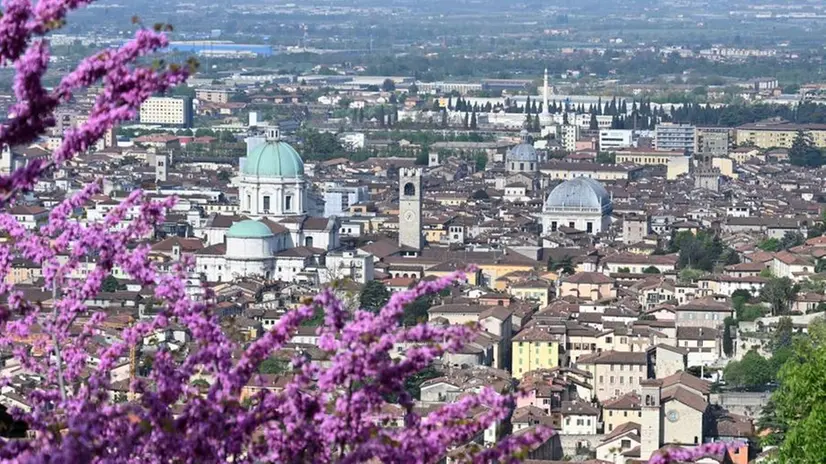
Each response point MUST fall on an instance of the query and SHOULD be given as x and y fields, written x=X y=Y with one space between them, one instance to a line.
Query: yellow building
x=536 y=348
x=536 y=290
x=779 y=135
x=675 y=161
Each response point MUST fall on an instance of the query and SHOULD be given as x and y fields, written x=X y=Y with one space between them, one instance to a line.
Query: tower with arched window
x=410 y=208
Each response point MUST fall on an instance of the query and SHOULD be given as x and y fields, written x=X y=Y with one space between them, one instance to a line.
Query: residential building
x=713 y=141
x=615 y=373
x=167 y=111
x=779 y=134
x=561 y=170
x=675 y=137
x=213 y=95
x=611 y=139
x=675 y=161
x=703 y=312
x=592 y=286
x=568 y=136
x=536 y=348
x=338 y=198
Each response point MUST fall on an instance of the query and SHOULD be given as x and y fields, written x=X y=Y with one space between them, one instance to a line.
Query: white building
x=568 y=135
x=579 y=203
x=285 y=243
x=615 y=138
x=167 y=111
x=523 y=157
x=338 y=198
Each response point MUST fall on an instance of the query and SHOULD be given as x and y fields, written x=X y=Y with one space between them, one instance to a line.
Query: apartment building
x=615 y=138
x=167 y=111
x=213 y=95
x=675 y=137
x=779 y=134
x=536 y=348
x=713 y=141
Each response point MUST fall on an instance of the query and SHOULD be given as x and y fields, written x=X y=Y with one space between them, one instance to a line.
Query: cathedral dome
x=579 y=193
x=524 y=152
x=249 y=229
x=274 y=158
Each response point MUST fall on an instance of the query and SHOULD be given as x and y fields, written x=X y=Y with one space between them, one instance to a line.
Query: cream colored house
x=615 y=373
x=620 y=410
x=588 y=285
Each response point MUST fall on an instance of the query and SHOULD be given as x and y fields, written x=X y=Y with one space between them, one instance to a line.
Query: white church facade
x=277 y=235
x=580 y=203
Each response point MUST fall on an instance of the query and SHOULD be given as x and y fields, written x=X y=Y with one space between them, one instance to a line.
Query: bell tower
x=410 y=208
x=651 y=420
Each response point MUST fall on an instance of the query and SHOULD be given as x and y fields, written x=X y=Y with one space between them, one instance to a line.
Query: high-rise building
x=713 y=141
x=669 y=137
x=615 y=138
x=167 y=111
x=410 y=208
x=568 y=135
x=213 y=95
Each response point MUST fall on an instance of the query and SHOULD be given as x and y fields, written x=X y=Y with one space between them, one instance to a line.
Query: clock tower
x=651 y=425
x=410 y=208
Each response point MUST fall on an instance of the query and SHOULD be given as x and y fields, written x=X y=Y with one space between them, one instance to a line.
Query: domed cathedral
x=271 y=182
x=522 y=157
x=278 y=232
x=522 y=164
x=580 y=203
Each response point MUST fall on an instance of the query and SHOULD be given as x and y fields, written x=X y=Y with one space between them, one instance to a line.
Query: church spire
x=545 y=110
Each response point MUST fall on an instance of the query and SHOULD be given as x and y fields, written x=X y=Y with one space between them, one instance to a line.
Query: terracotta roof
x=622 y=429
x=704 y=304
x=697 y=333
x=538 y=334
x=688 y=380
x=578 y=407
x=589 y=278
x=627 y=401
x=687 y=398
x=613 y=357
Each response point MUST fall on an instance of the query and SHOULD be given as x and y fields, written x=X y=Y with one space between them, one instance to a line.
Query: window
x=589 y=227
x=266 y=202
x=249 y=201
x=288 y=203
x=611 y=379
x=521 y=166
x=622 y=380
x=601 y=379
x=609 y=340
x=553 y=226
x=696 y=440
x=625 y=444
x=409 y=189
x=610 y=413
x=571 y=225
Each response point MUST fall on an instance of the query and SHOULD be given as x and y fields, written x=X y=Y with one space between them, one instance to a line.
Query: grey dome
x=524 y=152
x=579 y=193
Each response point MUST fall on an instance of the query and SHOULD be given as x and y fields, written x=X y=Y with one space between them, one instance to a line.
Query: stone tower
x=161 y=167
x=651 y=420
x=410 y=208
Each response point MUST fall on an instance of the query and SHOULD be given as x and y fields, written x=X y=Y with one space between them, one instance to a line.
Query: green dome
x=274 y=158
x=249 y=229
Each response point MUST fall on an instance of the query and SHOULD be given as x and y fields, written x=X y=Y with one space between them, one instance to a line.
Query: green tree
x=480 y=162
x=799 y=404
x=374 y=296
x=728 y=342
x=651 y=270
x=480 y=195
x=473 y=124
x=593 y=124
x=804 y=153
x=273 y=365
x=750 y=313
x=605 y=157
x=689 y=274
x=791 y=240
x=820 y=266
x=388 y=85
x=562 y=266
x=224 y=175
x=413 y=89
x=783 y=333
x=779 y=294
x=110 y=284
x=416 y=312
x=769 y=244
x=753 y=371
x=624 y=270
x=423 y=158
